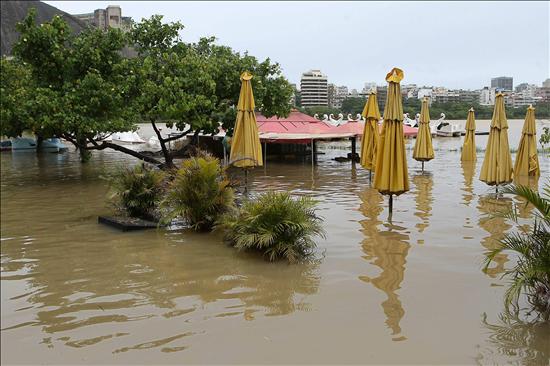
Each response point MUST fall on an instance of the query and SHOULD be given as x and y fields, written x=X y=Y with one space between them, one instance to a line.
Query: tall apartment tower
x=503 y=83
x=314 y=89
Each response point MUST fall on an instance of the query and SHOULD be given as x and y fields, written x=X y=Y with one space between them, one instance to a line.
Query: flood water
x=409 y=291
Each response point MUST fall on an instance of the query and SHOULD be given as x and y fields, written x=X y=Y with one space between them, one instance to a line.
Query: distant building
x=382 y=96
x=425 y=93
x=487 y=96
x=504 y=83
x=468 y=96
x=331 y=95
x=368 y=87
x=543 y=94
x=111 y=17
x=409 y=91
x=314 y=89
x=336 y=95
x=546 y=83
x=293 y=96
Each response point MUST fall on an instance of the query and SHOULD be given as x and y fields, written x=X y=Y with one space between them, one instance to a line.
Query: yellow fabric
x=423 y=148
x=371 y=133
x=246 y=150
x=391 y=163
x=469 y=146
x=527 y=160
x=497 y=164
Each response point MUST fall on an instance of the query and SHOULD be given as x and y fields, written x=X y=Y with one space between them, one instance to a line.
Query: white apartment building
x=487 y=96
x=425 y=92
x=314 y=89
x=368 y=87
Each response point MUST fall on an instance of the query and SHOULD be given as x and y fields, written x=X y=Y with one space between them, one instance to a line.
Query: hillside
x=12 y=12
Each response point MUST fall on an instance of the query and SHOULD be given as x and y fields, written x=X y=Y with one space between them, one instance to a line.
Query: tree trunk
x=85 y=154
x=168 y=159
x=39 y=140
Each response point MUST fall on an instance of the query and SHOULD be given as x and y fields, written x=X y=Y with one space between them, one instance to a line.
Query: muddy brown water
x=409 y=291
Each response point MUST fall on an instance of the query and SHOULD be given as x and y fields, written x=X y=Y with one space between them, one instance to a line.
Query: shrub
x=275 y=224
x=137 y=191
x=199 y=193
x=531 y=274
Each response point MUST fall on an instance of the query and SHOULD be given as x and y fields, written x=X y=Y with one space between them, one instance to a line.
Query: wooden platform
x=127 y=223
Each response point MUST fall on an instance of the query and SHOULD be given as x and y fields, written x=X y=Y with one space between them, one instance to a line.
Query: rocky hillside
x=12 y=12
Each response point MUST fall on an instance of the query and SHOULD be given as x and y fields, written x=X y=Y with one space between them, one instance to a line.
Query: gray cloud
x=453 y=44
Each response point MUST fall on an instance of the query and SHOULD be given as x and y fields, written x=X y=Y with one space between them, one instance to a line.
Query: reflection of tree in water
x=468 y=170
x=386 y=248
x=490 y=221
x=79 y=284
x=518 y=341
x=424 y=199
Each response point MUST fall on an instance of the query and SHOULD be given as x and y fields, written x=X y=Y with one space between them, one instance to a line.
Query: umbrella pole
x=422 y=167
x=370 y=176
x=245 y=180
x=391 y=204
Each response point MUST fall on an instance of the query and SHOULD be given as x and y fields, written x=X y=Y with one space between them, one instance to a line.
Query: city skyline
x=474 y=42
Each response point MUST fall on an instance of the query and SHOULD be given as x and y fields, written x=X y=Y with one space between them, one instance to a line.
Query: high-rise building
x=314 y=89
x=546 y=83
x=503 y=83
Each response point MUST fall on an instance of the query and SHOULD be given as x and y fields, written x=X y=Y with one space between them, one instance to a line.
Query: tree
x=353 y=105
x=83 y=90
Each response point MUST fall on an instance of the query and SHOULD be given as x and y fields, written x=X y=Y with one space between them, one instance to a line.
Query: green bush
x=137 y=191
x=531 y=274
x=275 y=224
x=199 y=193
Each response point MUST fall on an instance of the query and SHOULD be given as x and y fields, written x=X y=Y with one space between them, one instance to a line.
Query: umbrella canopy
x=369 y=142
x=469 y=146
x=497 y=164
x=423 y=149
x=246 y=150
x=391 y=163
x=527 y=160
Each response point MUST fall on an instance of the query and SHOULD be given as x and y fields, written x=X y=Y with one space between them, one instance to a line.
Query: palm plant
x=275 y=224
x=137 y=191
x=531 y=274
x=199 y=193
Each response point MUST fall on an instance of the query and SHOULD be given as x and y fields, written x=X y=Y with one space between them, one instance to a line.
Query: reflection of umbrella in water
x=424 y=199
x=496 y=226
x=246 y=150
x=531 y=181
x=387 y=249
x=392 y=177
x=468 y=170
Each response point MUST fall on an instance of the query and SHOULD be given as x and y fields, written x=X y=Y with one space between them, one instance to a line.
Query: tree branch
x=178 y=136
x=104 y=145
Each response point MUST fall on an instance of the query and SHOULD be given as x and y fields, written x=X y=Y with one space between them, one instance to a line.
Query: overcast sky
x=452 y=44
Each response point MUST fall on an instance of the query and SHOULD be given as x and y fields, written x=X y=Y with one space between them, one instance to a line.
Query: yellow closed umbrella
x=497 y=164
x=246 y=150
x=469 y=146
x=391 y=163
x=423 y=148
x=371 y=134
x=527 y=160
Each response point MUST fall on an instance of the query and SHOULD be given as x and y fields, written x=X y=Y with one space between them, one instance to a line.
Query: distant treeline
x=453 y=110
